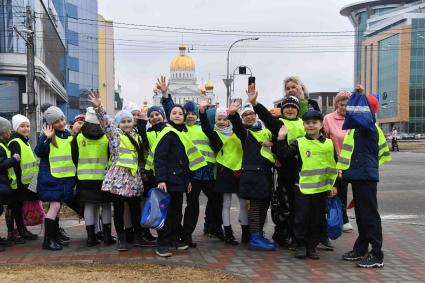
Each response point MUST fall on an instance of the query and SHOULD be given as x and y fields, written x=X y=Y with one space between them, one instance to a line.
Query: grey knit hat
x=4 y=125
x=52 y=114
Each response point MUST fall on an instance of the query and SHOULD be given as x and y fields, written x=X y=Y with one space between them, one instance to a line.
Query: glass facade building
x=389 y=59
x=82 y=58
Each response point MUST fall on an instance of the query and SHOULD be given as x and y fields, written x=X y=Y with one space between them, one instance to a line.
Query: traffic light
x=242 y=70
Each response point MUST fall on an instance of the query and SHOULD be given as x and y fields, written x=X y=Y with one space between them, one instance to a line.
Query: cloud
x=137 y=72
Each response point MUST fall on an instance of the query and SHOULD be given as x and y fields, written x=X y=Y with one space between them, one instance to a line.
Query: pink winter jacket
x=332 y=125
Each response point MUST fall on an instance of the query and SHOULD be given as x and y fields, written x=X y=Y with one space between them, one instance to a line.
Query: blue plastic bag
x=335 y=220
x=359 y=114
x=155 y=210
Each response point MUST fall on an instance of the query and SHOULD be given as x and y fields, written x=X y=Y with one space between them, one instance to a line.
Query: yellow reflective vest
x=152 y=139
x=10 y=171
x=295 y=129
x=60 y=158
x=347 y=149
x=92 y=158
x=231 y=154
x=201 y=141
x=262 y=136
x=128 y=157
x=318 y=172
x=196 y=160
x=28 y=163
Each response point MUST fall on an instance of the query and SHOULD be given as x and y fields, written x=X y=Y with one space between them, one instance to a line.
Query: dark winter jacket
x=89 y=190
x=285 y=151
x=50 y=188
x=22 y=193
x=205 y=173
x=227 y=181
x=288 y=170
x=5 y=164
x=364 y=164
x=171 y=163
x=256 y=174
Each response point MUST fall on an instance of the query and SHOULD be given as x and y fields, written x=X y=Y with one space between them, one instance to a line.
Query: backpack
x=334 y=218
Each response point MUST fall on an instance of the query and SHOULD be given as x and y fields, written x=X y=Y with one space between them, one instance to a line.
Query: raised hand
x=203 y=105
x=162 y=85
x=17 y=157
x=48 y=131
x=252 y=96
x=96 y=101
x=283 y=132
x=359 y=88
x=143 y=115
x=236 y=104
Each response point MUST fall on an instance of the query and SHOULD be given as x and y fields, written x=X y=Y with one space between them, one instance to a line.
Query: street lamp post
x=228 y=83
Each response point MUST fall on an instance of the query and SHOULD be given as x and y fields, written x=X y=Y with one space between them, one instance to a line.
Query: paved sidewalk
x=404 y=247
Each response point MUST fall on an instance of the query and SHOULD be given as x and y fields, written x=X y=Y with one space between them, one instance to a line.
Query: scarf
x=228 y=131
x=179 y=128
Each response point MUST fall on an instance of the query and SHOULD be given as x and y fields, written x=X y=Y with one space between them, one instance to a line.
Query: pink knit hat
x=342 y=95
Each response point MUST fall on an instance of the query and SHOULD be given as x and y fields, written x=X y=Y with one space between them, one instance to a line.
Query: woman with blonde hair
x=293 y=86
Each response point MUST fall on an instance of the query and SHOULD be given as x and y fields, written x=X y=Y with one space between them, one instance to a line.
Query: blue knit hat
x=123 y=114
x=156 y=109
x=191 y=106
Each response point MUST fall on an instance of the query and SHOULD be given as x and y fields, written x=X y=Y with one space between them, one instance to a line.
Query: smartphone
x=251 y=83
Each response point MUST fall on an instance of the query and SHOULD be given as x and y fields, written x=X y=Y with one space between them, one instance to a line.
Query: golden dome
x=209 y=85
x=202 y=89
x=182 y=61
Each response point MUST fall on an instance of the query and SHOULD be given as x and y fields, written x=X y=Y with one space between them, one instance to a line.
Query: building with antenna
x=389 y=59
x=183 y=82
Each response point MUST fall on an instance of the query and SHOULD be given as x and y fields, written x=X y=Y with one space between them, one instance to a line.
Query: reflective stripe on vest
x=92 y=158
x=10 y=172
x=318 y=172
x=127 y=154
x=295 y=129
x=348 y=145
x=28 y=163
x=262 y=136
x=231 y=154
x=196 y=160
x=60 y=158
x=201 y=141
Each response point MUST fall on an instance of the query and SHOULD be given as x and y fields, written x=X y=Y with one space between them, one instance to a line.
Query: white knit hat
x=247 y=107
x=221 y=111
x=91 y=116
x=17 y=120
x=131 y=107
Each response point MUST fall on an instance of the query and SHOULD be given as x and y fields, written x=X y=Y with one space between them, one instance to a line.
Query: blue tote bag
x=155 y=209
x=359 y=114
x=334 y=218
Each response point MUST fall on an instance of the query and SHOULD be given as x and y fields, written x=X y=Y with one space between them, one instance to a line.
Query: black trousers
x=367 y=218
x=286 y=193
x=14 y=215
x=394 y=144
x=342 y=194
x=212 y=210
x=257 y=214
x=135 y=211
x=310 y=210
x=169 y=234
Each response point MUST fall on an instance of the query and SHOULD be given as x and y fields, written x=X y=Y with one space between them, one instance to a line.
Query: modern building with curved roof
x=389 y=59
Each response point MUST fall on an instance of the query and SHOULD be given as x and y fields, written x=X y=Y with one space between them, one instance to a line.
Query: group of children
x=181 y=152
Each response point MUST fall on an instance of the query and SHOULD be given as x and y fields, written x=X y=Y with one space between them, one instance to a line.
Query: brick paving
x=404 y=248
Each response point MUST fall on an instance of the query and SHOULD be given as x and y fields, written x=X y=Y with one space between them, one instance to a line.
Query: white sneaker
x=347 y=227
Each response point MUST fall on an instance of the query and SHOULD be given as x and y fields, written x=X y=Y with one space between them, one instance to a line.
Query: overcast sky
x=137 y=71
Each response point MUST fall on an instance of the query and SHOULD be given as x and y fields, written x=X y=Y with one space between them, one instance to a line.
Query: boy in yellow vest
x=317 y=176
x=7 y=174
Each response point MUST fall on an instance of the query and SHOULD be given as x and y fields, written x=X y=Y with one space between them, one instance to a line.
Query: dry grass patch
x=110 y=273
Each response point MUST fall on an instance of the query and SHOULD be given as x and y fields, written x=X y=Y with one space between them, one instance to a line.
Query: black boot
x=300 y=251
x=107 y=236
x=146 y=232
x=122 y=243
x=228 y=236
x=129 y=234
x=49 y=242
x=217 y=232
x=245 y=234
x=60 y=235
x=11 y=237
x=27 y=235
x=91 y=237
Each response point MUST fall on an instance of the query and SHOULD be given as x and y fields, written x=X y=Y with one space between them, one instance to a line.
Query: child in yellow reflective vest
x=317 y=179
